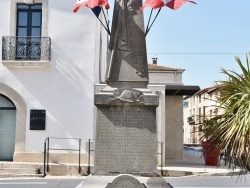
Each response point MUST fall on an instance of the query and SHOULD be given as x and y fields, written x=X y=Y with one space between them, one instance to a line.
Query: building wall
x=169 y=113
x=63 y=87
x=166 y=77
x=160 y=118
x=186 y=127
x=174 y=127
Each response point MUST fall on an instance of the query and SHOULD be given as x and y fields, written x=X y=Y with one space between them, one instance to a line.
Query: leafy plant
x=206 y=126
x=231 y=131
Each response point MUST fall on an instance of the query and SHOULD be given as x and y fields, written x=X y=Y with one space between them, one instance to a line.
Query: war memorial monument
x=126 y=130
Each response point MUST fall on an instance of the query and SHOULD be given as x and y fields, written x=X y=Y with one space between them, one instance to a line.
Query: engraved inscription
x=110 y=141
x=126 y=140
x=141 y=140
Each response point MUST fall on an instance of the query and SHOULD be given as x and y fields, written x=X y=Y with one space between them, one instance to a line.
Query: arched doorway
x=7 y=128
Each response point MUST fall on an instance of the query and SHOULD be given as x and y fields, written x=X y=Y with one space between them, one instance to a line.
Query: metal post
x=225 y=155
x=89 y=160
x=44 y=159
x=79 y=167
x=161 y=158
x=48 y=156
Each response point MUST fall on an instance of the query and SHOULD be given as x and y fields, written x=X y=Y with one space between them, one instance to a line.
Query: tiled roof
x=210 y=89
x=155 y=67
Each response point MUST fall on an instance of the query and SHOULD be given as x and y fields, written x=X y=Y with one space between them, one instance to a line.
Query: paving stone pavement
x=195 y=165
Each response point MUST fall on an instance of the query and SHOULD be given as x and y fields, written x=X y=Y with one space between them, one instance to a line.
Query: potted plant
x=210 y=151
x=231 y=131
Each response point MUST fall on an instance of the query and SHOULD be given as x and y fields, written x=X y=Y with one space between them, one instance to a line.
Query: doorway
x=7 y=128
x=28 y=32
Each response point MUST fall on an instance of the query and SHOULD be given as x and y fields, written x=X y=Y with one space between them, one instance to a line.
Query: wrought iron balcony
x=26 y=48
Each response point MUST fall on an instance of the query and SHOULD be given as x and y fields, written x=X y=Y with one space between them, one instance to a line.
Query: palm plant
x=231 y=130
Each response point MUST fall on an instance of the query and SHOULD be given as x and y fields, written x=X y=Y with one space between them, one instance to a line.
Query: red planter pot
x=211 y=154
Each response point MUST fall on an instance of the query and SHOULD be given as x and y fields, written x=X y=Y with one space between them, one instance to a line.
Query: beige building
x=202 y=105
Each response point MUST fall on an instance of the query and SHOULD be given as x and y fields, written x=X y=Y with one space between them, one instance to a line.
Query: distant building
x=202 y=105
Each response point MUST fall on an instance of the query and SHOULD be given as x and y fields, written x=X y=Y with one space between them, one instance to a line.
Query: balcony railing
x=26 y=48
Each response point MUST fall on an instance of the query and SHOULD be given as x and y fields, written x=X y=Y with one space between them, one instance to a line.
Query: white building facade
x=51 y=59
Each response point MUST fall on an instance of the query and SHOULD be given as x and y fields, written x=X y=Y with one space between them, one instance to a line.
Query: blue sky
x=201 y=38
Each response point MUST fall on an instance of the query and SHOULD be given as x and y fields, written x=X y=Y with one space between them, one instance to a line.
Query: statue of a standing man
x=127 y=49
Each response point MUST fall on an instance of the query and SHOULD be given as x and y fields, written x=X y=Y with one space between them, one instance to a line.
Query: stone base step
x=67 y=169
x=20 y=165
x=20 y=169
x=17 y=169
x=8 y=175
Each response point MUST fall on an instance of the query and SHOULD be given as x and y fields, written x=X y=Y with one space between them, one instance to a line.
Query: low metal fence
x=160 y=152
x=89 y=153
x=47 y=148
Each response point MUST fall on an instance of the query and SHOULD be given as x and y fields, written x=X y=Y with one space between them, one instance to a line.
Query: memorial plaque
x=37 y=119
x=126 y=140
x=125 y=181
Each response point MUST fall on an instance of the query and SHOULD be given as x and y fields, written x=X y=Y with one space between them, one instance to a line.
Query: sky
x=201 y=38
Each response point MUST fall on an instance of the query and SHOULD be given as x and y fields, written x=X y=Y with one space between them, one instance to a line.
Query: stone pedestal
x=126 y=140
x=126 y=132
